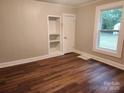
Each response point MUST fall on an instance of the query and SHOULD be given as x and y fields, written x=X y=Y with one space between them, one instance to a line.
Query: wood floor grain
x=63 y=74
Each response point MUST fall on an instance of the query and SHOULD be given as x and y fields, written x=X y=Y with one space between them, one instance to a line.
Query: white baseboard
x=84 y=56
x=27 y=60
x=87 y=56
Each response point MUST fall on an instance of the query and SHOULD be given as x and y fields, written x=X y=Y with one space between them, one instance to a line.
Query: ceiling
x=68 y=2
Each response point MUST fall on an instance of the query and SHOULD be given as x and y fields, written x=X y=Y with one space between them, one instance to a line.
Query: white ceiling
x=68 y=2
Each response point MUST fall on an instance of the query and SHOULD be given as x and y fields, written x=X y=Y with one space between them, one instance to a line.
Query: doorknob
x=65 y=37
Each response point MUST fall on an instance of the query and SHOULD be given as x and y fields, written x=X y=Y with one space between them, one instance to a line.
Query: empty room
x=61 y=46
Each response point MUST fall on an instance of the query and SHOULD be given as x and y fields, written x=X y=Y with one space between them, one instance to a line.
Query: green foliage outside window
x=110 y=18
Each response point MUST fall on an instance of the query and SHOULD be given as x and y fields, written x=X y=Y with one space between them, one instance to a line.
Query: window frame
x=96 y=48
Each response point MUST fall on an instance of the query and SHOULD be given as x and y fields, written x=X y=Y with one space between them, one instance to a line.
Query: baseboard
x=83 y=55
x=87 y=56
x=24 y=61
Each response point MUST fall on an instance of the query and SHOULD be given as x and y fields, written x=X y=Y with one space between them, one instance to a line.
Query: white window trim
x=117 y=53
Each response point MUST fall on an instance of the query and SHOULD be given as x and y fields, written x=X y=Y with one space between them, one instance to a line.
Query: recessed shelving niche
x=54 y=31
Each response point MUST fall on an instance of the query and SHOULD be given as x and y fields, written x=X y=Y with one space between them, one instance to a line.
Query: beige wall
x=23 y=28
x=85 y=29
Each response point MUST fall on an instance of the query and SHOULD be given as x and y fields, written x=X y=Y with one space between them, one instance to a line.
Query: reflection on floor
x=63 y=74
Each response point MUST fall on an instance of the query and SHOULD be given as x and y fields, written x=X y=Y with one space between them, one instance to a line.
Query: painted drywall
x=85 y=29
x=23 y=28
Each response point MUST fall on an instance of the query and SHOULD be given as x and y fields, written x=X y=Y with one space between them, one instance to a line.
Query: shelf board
x=55 y=34
x=52 y=41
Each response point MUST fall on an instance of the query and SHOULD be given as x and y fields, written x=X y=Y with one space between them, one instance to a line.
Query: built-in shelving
x=54 y=27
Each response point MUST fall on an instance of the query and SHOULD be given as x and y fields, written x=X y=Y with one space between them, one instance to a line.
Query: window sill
x=107 y=52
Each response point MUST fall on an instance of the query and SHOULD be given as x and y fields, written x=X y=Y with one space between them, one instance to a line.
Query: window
x=108 y=35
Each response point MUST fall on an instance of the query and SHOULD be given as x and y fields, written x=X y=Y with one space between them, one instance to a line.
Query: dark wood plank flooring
x=63 y=74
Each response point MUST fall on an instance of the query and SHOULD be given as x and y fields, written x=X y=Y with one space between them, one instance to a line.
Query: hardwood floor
x=63 y=74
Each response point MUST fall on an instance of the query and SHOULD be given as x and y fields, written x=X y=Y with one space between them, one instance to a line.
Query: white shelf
x=52 y=41
x=55 y=34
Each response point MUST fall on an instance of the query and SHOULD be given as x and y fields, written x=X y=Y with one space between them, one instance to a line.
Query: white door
x=68 y=33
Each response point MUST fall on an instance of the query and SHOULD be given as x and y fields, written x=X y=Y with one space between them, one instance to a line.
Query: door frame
x=72 y=15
